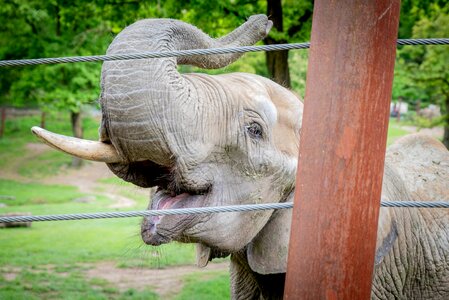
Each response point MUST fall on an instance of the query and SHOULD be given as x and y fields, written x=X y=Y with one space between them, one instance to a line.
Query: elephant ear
x=268 y=251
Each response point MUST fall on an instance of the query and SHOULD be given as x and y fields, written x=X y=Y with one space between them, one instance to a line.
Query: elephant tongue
x=169 y=202
x=202 y=255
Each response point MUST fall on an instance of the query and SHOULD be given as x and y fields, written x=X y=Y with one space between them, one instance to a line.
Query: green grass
x=40 y=283
x=36 y=193
x=72 y=242
x=114 y=180
x=205 y=285
x=48 y=163
x=11 y=149
x=395 y=131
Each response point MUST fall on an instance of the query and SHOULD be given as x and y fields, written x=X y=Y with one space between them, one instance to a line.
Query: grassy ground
x=35 y=193
x=49 y=260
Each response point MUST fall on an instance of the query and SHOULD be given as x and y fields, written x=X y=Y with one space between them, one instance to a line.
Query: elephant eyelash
x=254 y=130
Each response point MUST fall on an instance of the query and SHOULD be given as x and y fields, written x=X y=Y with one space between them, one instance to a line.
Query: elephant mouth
x=164 y=199
x=157 y=230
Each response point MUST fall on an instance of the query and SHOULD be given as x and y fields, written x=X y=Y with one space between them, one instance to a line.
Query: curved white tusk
x=85 y=149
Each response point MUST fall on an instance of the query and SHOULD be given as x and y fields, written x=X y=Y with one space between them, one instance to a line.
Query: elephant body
x=233 y=139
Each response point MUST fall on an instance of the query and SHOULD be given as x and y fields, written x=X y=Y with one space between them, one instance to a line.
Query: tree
x=426 y=66
x=291 y=23
x=298 y=17
x=50 y=29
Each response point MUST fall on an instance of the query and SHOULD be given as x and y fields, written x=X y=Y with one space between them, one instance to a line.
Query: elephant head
x=202 y=140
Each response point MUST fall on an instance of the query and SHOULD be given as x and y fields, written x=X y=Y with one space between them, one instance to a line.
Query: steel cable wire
x=142 y=55
x=198 y=210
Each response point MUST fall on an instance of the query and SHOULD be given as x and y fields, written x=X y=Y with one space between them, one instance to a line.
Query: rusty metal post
x=342 y=149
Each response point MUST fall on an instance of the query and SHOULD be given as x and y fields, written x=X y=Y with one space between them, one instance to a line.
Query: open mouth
x=182 y=198
x=165 y=199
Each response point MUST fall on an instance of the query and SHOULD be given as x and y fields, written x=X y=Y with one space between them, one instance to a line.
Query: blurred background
x=105 y=259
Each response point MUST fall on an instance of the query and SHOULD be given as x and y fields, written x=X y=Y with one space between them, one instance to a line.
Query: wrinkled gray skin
x=233 y=139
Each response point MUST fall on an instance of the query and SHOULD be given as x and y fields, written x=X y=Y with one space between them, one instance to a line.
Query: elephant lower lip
x=154 y=239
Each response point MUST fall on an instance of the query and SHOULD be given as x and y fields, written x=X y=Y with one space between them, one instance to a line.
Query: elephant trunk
x=139 y=98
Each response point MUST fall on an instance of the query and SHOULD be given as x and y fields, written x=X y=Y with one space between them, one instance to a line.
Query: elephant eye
x=254 y=130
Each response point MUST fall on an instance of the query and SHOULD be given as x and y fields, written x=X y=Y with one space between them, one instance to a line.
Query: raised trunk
x=139 y=97
x=277 y=61
x=77 y=130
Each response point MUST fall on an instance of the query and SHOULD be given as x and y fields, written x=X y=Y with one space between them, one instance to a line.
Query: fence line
x=142 y=55
x=199 y=210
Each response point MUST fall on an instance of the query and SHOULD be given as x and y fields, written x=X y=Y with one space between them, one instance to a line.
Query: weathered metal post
x=342 y=149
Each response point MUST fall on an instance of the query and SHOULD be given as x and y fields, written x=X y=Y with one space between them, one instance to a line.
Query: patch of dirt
x=36 y=148
x=9 y=273
x=85 y=178
x=165 y=282
x=9 y=276
x=11 y=170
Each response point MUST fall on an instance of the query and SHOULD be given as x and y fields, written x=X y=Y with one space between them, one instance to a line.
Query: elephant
x=209 y=140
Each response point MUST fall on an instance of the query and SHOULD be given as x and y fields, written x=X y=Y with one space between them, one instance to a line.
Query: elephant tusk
x=85 y=149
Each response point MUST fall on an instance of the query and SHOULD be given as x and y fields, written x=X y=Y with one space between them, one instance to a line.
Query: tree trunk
x=2 y=124
x=446 y=124
x=398 y=117
x=77 y=130
x=277 y=64
x=277 y=61
x=418 y=107
x=43 y=117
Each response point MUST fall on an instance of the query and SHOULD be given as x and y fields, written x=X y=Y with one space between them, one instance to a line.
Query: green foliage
x=46 y=29
x=422 y=72
x=426 y=66
x=414 y=10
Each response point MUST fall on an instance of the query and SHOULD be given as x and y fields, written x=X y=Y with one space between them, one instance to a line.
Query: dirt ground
x=165 y=282
x=86 y=178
